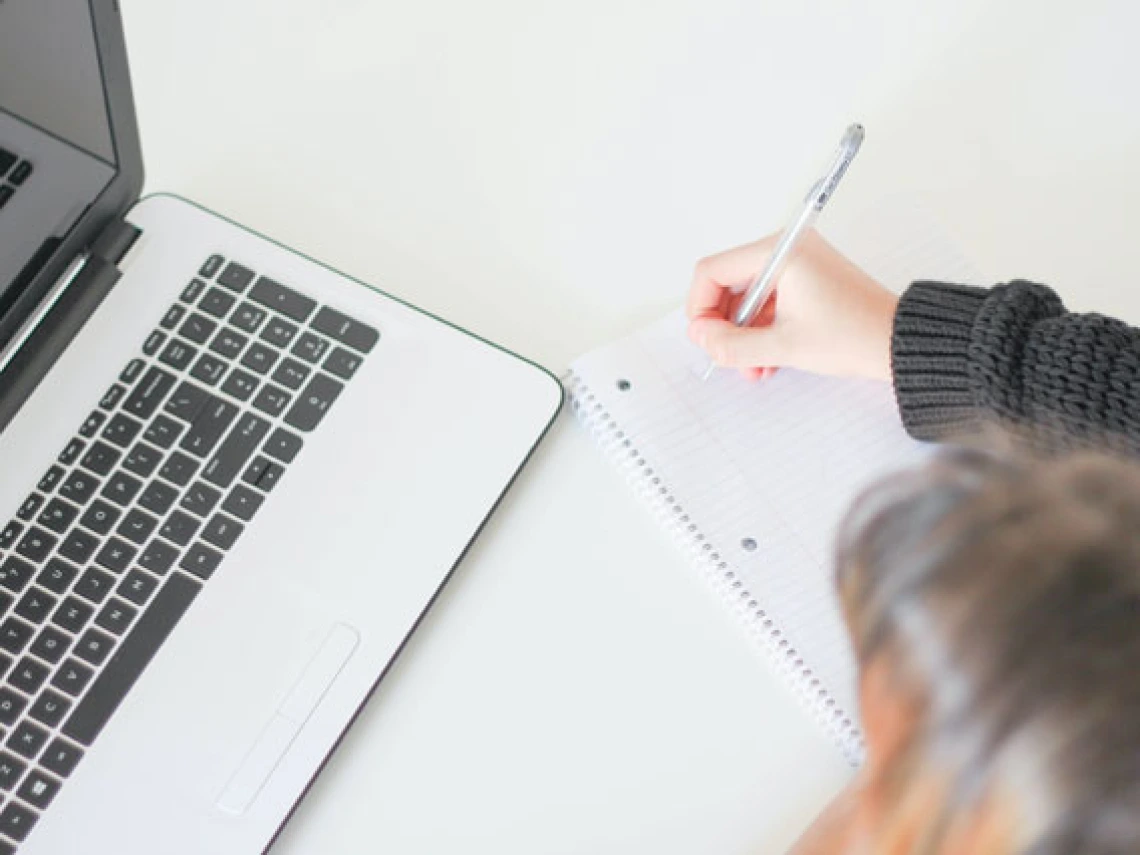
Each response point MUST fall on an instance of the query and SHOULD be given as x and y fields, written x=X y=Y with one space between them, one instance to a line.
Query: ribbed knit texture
x=1011 y=355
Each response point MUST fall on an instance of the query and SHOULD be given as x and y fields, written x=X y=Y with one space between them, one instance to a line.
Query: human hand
x=826 y=315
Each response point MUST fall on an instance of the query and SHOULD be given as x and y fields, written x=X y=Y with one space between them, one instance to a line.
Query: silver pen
x=761 y=288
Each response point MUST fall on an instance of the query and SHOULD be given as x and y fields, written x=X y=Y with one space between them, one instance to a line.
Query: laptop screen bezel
x=122 y=191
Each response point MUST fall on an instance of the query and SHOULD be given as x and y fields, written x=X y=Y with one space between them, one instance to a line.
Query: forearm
x=830 y=832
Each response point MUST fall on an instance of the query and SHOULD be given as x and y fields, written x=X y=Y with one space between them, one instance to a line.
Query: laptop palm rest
x=286 y=722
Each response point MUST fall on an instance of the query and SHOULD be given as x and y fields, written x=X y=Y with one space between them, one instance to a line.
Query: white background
x=545 y=174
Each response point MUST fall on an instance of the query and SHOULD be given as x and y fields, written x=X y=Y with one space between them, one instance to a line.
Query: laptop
x=233 y=478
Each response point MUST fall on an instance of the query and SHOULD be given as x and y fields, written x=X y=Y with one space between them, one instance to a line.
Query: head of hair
x=1003 y=592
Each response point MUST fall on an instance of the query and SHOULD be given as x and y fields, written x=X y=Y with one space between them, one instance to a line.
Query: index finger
x=726 y=272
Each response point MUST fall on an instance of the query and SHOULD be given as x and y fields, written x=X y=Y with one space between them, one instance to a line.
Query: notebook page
x=754 y=478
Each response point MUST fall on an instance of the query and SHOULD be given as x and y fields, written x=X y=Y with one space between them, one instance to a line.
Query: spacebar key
x=132 y=657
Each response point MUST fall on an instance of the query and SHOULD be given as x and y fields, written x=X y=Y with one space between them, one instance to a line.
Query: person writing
x=992 y=597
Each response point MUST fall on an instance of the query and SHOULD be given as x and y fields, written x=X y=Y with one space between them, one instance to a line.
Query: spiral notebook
x=752 y=479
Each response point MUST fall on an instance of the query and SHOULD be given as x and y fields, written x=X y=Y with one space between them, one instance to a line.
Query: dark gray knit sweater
x=965 y=356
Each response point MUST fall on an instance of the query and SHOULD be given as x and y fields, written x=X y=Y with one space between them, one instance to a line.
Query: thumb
x=731 y=346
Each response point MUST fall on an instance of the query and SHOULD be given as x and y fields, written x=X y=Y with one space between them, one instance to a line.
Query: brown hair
x=1004 y=592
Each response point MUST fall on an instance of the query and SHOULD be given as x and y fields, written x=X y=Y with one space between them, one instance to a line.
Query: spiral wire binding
x=759 y=627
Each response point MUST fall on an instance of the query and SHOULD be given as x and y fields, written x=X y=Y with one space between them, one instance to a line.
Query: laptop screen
x=57 y=150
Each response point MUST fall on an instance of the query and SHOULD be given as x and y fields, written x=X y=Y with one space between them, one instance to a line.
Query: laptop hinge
x=36 y=351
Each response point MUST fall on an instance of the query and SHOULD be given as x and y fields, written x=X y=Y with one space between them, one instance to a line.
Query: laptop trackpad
x=284 y=725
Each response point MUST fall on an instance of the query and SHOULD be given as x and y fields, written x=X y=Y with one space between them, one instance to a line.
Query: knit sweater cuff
x=929 y=360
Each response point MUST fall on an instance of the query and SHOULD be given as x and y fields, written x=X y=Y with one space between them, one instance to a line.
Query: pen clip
x=822 y=190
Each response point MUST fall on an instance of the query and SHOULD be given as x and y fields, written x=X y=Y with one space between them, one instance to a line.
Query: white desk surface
x=546 y=173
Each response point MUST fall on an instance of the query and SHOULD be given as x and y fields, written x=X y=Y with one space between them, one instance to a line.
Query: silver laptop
x=233 y=479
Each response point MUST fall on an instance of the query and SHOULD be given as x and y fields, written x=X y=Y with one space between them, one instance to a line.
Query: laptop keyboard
x=13 y=173
x=140 y=508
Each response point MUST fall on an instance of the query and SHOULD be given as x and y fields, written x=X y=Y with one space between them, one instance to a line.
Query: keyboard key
x=15 y=574
x=27 y=740
x=344 y=329
x=197 y=328
x=79 y=487
x=20 y=173
x=101 y=458
x=10 y=534
x=217 y=303
x=259 y=358
x=248 y=317
x=276 y=296
x=342 y=363
x=158 y=557
x=6 y=193
x=50 y=480
x=132 y=657
x=235 y=277
x=100 y=517
x=7 y=159
x=132 y=371
x=313 y=402
x=283 y=445
x=193 y=291
x=78 y=546
x=201 y=561
x=238 y=447
x=50 y=644
x=71 y=453
x=158 y=497
x=95 y=584
x=240 y=384
x=31 y=505
x=178 y=354
x=228 y=343
x=211 y=266
x=5 y=663
x=208 y=429
x=163 y=432
x=263 y=474
x=310 y=348
x=15 y=635
x=35 y=605
x=38 y=789
x=179 y=469
x=200 y=499
x=57 y=575
x=72 y=677
x=172 y=317
x=72 y=615
x=121 y=430
x=121 y=488
x=153 y=342
x=209 y=369
x=291 y=373
x=221 y=531
x=116 y=616
x=61 y=758
x=279 y=333
x=36 y=544
x=94 y=647
x=111 y=399
x=142 y=460
x=50 y=708
x=137 y=587
x=11 y=705
x=179 y=528
x=12 y=769
x=29 y=675
x=92 y=423
x=272 y=399
x=187 y=401
x=242 y=502
x=149 y=393
x=16 y=821
x=58 y=515
x=116 y=555
x=137 y=526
